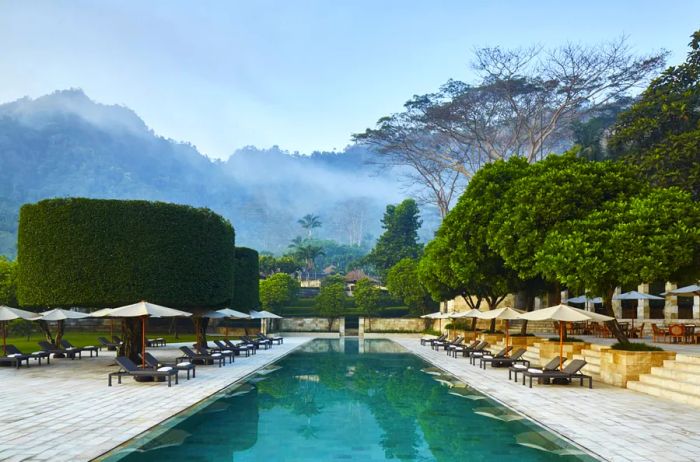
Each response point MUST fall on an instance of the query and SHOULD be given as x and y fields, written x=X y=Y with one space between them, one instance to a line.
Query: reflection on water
x=350 y=400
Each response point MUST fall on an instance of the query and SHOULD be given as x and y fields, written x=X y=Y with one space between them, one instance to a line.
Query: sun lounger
x=487 y=353
x=205 y=359
x=431 y=340
x=447 y=345
x=128 y=367
x=36 y=355
x=156 y=342
x=14 y=357
x=453 y=350
x=69 y=347
x=240 y=347
x=104 y=343
x=516 y=369
x=459 y=341
x=256 y=343
x=277 y=340
x=479 y=347
x=179 y=366
x=51 y=349
x=235 y=348
x=502 y=361
x=117 y=339
x=570 y=372
x=226 y=353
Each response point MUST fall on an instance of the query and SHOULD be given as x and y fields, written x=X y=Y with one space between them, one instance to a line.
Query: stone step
x=664 y=393
x=688 y=358
x=677 y=365
x=598 y=347
x=671 y=384
x=676 y=374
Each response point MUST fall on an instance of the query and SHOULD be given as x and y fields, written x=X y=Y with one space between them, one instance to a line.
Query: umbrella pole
x=507 y=354
x=4 y=338
x=143 y=342
x=561 y=344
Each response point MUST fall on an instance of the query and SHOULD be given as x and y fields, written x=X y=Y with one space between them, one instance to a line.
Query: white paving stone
x=613 y=423
x=66 y=411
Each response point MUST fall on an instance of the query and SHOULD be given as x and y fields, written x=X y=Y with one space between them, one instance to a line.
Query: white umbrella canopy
x=263 y=315
x=687 y=291
x=473 y=313
x=506 y=313
x=437 y=315
x=59 y=314
x=584 y=299
x=563 y=313
x=8 y=314
x=101 y=313
x=229 y=313
x=634 y=295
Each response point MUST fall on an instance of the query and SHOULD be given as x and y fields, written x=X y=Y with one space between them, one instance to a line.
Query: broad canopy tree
x=404 y=283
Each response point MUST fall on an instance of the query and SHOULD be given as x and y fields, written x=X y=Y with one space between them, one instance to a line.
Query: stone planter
x=549 y=350
x=492 y=338
x=522 y=342
x=617 y=367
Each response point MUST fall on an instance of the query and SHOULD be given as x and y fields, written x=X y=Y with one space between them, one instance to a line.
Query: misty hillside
x=65 y=144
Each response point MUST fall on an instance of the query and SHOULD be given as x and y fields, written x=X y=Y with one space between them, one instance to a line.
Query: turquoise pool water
x=334 y=400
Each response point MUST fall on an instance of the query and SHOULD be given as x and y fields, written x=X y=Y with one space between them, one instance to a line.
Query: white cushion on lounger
x=535 y=371
x=476 y=353
x=89 y=346
x=226 y=351
x=38 y=352
x=184 y=364
x=216 y=355
x=488 y=357
x=164 y=369
x=71 y=348
x=520 y=366
x=13 y=355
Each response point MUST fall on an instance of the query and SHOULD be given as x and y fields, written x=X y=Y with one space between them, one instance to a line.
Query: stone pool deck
x=613 y=423
x=66 y=411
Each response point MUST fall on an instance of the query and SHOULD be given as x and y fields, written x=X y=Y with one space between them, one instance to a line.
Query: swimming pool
x=349 y=400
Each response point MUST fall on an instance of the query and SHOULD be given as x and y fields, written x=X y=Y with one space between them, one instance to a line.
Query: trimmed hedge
x=102 y=253
x=246 y=294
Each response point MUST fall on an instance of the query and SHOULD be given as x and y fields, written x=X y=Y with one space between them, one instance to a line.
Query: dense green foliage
x=629 y=346
x=332 y=299
x=367 y=297
x=661 y=132
x=246 y=294
x=270 y=265
x=650 y=237
x=403 y=283
x=8 y=282
x=278 y=290
x=97 y=253
x=400 y=237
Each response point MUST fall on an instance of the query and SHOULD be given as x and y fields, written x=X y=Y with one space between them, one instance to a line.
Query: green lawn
x=83 y=338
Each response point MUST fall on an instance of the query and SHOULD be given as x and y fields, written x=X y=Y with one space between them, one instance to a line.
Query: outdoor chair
x=516 y=369
x=454 y=344
x=37 y=355
x=128 y=367
x=446 y=343
x=505 y=361
x=658 y=333
x=117 y=339
x=277 y=340
x=104 y=343
x=239 y=347
x=676 y=333
x=156 y=342
x=235 y=349
x=468 y=351
x=487 y=354
x=15 y=359
x=51 y=349
x=70 y=347
x=226 y=353
x=430 y=340
x=565 y=376
x=204 y=359
x=247 y=340
x=690 y=336
x=179 y=366
x=637 y=332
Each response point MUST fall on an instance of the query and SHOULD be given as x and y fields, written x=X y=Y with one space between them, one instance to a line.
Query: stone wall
x=308 y=325
x=396 y=324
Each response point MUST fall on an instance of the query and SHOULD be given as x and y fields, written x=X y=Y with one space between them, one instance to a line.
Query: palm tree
x=309 y=253
x=309 y=222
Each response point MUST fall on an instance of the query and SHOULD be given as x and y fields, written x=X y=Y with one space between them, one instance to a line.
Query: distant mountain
x=65 y=144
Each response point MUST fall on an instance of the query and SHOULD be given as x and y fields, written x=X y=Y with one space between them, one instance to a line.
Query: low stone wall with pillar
x=671 y=306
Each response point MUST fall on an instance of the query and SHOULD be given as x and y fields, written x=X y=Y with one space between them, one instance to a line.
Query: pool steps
x=678 y=380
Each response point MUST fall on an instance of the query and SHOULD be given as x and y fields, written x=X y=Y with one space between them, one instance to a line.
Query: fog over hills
x=65 y=144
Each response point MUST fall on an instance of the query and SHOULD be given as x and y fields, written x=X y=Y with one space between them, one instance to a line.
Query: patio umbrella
x=105 y=312
x=584 y=299
x=634 y=295
x=59 y=316
x=563 y=313
x=8 y=314
x=263 y=316
x=506 y=313
x=233 y=314
x=145 y=310
x=687 y=291
x=437 y=315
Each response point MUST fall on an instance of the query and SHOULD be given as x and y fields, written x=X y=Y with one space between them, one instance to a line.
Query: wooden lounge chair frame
x=275 y=340
x=69 y=347
x=47 y=347
x=154 y=363
x=104 y=343
x=501 y=361
x=479 y=347
x=128 y=367
x=552 y=365
x=206 y=359
x=38 y=355
x=570 y=372
x=480 y=354
x=423 y=341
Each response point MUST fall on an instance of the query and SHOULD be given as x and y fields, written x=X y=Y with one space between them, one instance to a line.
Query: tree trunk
x=60 y=329
x=200 y=330
x=131 y=332
x=613 y=325
x=492 y=326
x=473 y=324
x=529 y=304
x=44 y=327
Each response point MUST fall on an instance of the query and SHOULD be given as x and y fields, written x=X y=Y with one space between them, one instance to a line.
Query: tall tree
x=403 y=282
x=278 y=290
x=400 y=237
x=8 y=282
x=332 y=300
x=650 y=237
x=309 y=222
x=367 y=297
x=661 y=131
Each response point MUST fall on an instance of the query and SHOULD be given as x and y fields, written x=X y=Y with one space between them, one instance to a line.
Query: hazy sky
x=304 y=75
